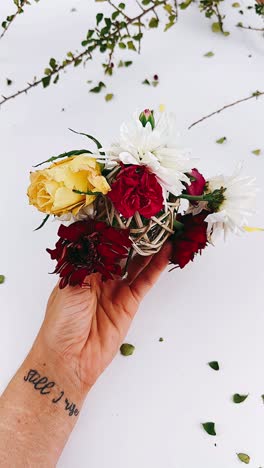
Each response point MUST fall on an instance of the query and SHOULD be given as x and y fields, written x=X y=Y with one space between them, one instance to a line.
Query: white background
x=146 y=410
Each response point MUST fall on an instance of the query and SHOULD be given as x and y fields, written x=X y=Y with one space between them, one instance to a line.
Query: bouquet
x=132 y=197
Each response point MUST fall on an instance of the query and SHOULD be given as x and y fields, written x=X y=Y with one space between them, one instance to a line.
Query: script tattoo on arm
x=48 y=387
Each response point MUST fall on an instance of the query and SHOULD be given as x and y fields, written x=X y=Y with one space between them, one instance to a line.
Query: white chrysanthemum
x=154 y=148
x=239 y=203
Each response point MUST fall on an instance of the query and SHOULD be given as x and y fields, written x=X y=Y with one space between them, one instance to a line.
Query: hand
x=86 y=326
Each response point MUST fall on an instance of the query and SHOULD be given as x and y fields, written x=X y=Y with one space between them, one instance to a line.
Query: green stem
x=194 y=197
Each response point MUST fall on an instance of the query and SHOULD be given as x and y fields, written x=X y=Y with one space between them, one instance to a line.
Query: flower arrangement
x=132 y=197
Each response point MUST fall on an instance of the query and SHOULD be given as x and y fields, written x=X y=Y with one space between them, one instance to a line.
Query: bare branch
x=256 y=94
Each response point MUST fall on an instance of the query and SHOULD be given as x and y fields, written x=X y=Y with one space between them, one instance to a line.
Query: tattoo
x=45 y=386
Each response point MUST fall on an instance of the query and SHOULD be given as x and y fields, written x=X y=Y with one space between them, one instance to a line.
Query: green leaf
x=146 y=2
x=236 y=5
x=109 y=97
x=226 y=33
x=56 y=79
x=98 y=88
x=115 y=14
x=131 y=45
x=168 y=8
x=2 y=279
x=209 y=54
x=127 y=63
x=161 y=339
x=244 y=458
x=154 y=22
x=98 y=144
x=64 y=155
x=209 y=427
x=214 y=365
x=46 y=81
x=43 y=223
x=52 y=63
x=122 y=6
x=9 y=82
x=237 y=398
x=256 y=152
x=89 y=192
x=146 y=81
x=99 y=18
x=221 y=140
x=185 y=5
x=216 y=27
x=122 y=45
x=127 y=349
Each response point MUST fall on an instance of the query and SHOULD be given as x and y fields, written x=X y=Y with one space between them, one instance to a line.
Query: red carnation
x=197 y=185
x=87 y=247
x=136 y=189
x=191 y=240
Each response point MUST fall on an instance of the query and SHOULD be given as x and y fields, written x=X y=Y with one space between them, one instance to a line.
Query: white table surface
x=146 y=410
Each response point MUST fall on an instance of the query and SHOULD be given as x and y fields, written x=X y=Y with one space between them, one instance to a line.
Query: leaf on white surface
x=209 y=427
x=244 y=458
x=237 y=398
x=214 y=365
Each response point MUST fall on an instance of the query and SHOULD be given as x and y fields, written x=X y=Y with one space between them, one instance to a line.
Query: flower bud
x=147 y=116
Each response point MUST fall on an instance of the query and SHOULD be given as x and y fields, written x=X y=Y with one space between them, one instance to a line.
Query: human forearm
x=38 y=410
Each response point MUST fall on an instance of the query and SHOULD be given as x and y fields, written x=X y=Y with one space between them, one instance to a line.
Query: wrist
x=58 y=376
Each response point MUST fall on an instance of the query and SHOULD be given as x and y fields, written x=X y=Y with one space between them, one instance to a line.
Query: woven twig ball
x=147 y=235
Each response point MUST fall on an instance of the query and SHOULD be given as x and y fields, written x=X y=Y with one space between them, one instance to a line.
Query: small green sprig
x=20 y=4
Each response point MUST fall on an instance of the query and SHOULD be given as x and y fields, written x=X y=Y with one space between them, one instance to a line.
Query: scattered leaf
x=243 y=457
x=9 y=82
x=237 y=398
x=2 y=279
x=209 y=427
x=161 y=339
x=147 y=82
x=221 y=140
x=214 y=365
x=127 y=349
x=257 y=152
x=236 y=5
x=226 y=33
x=98 y=88
x=209 y=54
x=109 y=97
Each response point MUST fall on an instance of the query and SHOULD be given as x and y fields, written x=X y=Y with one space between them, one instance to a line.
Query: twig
x=256 y=94
x=83 y=54
x=9 y=24
x=249 y=27
x=119 y=10
x=37 y=82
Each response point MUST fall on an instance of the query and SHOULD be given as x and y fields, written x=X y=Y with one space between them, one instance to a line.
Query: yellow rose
x=51 y=189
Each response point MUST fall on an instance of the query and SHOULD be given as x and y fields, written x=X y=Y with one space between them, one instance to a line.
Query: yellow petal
x=100 y=183
x=252 y=229
x=84 y=163
x=65 y=198
x=162 y=107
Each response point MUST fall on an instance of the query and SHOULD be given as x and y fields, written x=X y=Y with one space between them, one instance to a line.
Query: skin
x=81 y=333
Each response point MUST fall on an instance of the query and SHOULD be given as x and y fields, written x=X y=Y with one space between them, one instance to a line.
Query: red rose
x=197 y=186
x=191 y=240
x=87 y=247
x=136 y=189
